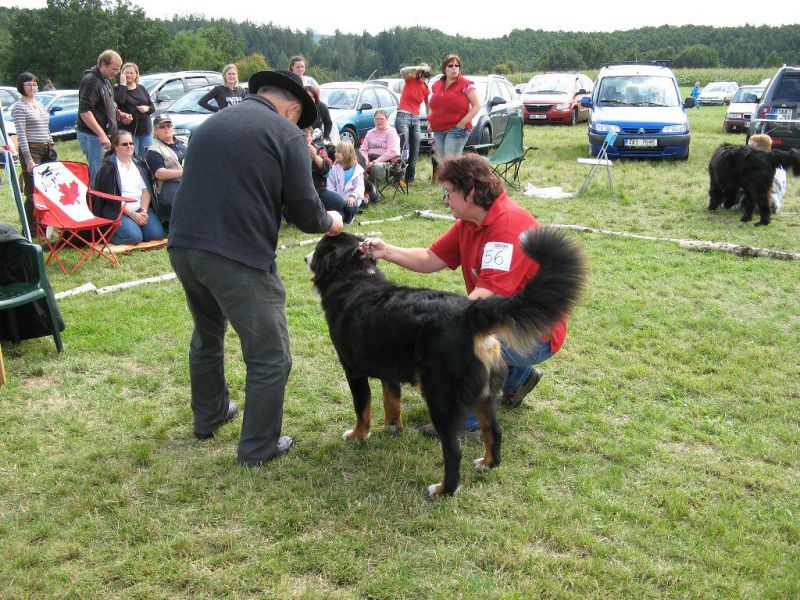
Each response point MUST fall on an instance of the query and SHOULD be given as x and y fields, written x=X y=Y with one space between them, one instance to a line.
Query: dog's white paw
x=481 y=465
x=350 y=435
x=435 y=490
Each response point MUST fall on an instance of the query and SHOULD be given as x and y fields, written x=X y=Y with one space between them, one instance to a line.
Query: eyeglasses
x=453 y=66
x=125 y=144
x=30 y=84
x=165 y=126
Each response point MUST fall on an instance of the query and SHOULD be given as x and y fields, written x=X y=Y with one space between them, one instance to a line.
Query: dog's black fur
x=442 y=341
x=733 y=168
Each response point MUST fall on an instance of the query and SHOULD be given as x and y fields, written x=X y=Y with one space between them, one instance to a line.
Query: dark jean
x=407 y=125
x=219 y=290
x=333 y=201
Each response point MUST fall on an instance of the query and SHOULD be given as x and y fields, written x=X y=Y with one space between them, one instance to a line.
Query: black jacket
x=96 y=95
x=107 y=180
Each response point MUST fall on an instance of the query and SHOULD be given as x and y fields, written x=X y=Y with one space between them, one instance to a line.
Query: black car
x=778 y=113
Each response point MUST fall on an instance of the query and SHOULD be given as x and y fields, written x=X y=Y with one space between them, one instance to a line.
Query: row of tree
x=62 y=39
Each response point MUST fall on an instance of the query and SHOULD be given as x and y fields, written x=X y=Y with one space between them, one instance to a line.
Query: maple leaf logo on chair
x=69 y=193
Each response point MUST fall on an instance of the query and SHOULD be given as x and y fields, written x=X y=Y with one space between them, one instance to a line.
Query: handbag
x=51 y=155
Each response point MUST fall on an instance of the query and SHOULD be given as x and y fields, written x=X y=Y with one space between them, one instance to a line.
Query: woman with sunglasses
x=122 y=174
x=454 y=102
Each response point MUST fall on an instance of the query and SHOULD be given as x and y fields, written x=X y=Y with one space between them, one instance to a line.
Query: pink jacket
x=383 y=143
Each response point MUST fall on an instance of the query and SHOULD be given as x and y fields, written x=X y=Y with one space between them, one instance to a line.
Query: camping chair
x=61 y=199
x=396 y=174
x=601 y=160
x=27 y=258
x=509 y=155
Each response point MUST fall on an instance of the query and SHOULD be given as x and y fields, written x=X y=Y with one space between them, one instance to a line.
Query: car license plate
x=426 y=135
x=641 y=143
x=537 y=116
x=784 y=114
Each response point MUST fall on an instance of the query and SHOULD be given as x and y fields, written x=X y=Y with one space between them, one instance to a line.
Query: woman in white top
x=33 y=135
x=122 y=174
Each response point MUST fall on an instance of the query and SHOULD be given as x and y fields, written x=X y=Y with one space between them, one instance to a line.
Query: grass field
x=658 y=458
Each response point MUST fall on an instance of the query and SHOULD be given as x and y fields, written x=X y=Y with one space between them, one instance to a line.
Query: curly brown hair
x=471 y=172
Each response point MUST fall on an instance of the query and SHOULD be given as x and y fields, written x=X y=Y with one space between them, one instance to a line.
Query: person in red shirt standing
x=454 y=102
x=415 y=92
x=484 y=242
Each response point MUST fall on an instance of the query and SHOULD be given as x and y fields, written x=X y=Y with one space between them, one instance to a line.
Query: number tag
x=497 y=255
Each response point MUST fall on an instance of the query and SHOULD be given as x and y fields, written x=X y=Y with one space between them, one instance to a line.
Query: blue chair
x=601 y=160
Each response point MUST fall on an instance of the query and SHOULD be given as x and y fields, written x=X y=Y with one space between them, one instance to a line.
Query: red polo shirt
x=490 y=256
x=414 y=93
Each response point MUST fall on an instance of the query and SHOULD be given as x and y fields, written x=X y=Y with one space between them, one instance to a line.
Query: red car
x=556 y=98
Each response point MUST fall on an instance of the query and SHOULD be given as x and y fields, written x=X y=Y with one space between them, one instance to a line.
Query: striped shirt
x=33 y=126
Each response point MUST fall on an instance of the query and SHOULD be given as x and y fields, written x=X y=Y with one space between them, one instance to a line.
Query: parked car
x=352 y=105
x=166 y=88
x=62 y=106
x=8 y=95
x=641 y=103
x=718 y=92
x=393 y=83
x=556 y=98
x=186 y=114
x=778 y=113
x=742 y=108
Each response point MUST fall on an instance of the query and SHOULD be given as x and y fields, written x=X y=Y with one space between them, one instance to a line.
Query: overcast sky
x=472 y=19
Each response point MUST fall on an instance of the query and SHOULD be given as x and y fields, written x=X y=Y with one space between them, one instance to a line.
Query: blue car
x=62 y=106
x=352 y=105
x=642 y=105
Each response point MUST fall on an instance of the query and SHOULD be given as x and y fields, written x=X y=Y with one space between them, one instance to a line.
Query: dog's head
x=337 y=258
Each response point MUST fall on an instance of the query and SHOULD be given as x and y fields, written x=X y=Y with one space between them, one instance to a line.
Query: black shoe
x=515 y=398
x=233 y=410
x=285 y=444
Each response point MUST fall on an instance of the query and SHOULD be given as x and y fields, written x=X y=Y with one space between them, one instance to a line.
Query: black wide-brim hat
x=292 y=83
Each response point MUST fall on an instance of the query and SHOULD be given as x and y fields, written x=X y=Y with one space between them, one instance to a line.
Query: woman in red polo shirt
x=454 y=102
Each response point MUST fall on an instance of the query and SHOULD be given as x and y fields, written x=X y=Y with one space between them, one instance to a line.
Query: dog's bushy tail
x=525 y=317
x=788 y=159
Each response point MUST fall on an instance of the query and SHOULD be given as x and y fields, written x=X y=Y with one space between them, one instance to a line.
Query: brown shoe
x=515 y=398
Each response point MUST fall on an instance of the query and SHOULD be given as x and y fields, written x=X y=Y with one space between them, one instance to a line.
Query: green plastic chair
x=13 y=295
x=510 y=153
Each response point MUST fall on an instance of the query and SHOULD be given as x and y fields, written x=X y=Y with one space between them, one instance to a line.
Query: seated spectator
x=122 y=174
x=346 y=178
x=320 y=167
x=380 y=147
x=165 y=161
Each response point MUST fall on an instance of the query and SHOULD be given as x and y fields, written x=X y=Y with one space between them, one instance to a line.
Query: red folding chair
x=61 y=199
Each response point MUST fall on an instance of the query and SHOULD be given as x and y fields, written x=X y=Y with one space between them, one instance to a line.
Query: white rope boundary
x=697 y=245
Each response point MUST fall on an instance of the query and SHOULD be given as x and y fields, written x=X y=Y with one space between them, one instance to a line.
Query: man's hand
x=104 y=141
x=337 y=225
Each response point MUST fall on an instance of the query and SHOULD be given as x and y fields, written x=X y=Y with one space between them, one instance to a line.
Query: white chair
x=601 y=160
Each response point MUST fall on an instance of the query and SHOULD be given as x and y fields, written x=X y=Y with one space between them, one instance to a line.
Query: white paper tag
x=497 y=255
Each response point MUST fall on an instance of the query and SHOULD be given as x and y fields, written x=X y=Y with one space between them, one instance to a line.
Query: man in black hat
x=245 y=165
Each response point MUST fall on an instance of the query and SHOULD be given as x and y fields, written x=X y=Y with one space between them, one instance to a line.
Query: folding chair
x=23 y=260
x=510 y=153
x=61 y=199
x=601 y=160
x=396 y=173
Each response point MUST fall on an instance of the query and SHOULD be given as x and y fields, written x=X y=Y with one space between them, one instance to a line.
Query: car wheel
x=348 y=134
x=574 y=119
x=486 y=138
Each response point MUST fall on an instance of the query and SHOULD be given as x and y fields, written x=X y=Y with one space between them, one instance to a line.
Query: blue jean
x=143 y=142
x=219 y=290
x=450 y=142
x=407 y=126
x=90 y=144
x=129 y=232
x=519 y=367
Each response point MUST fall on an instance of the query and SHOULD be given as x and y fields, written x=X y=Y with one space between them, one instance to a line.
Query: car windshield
x=788 y=89
x=45 y=98
x=637 y=90
x=339 y=98
x=747 y=95
x=548 y=84
x=716 y=87
x=149 y=82
x=189 y=103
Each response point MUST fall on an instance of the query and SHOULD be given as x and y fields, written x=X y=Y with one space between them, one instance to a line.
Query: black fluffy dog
x=444 y=342
x=733 y=168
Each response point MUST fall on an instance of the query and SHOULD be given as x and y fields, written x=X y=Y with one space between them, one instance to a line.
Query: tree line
x=61 y=40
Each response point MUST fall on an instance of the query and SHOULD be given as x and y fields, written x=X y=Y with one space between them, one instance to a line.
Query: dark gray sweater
x=244 y=164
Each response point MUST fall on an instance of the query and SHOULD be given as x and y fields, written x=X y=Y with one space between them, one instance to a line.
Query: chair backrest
x=510 y=147
x=63 y=187
x=609 y=141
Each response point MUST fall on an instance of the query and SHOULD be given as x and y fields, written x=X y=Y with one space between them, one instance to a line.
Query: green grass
x=658 y=458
